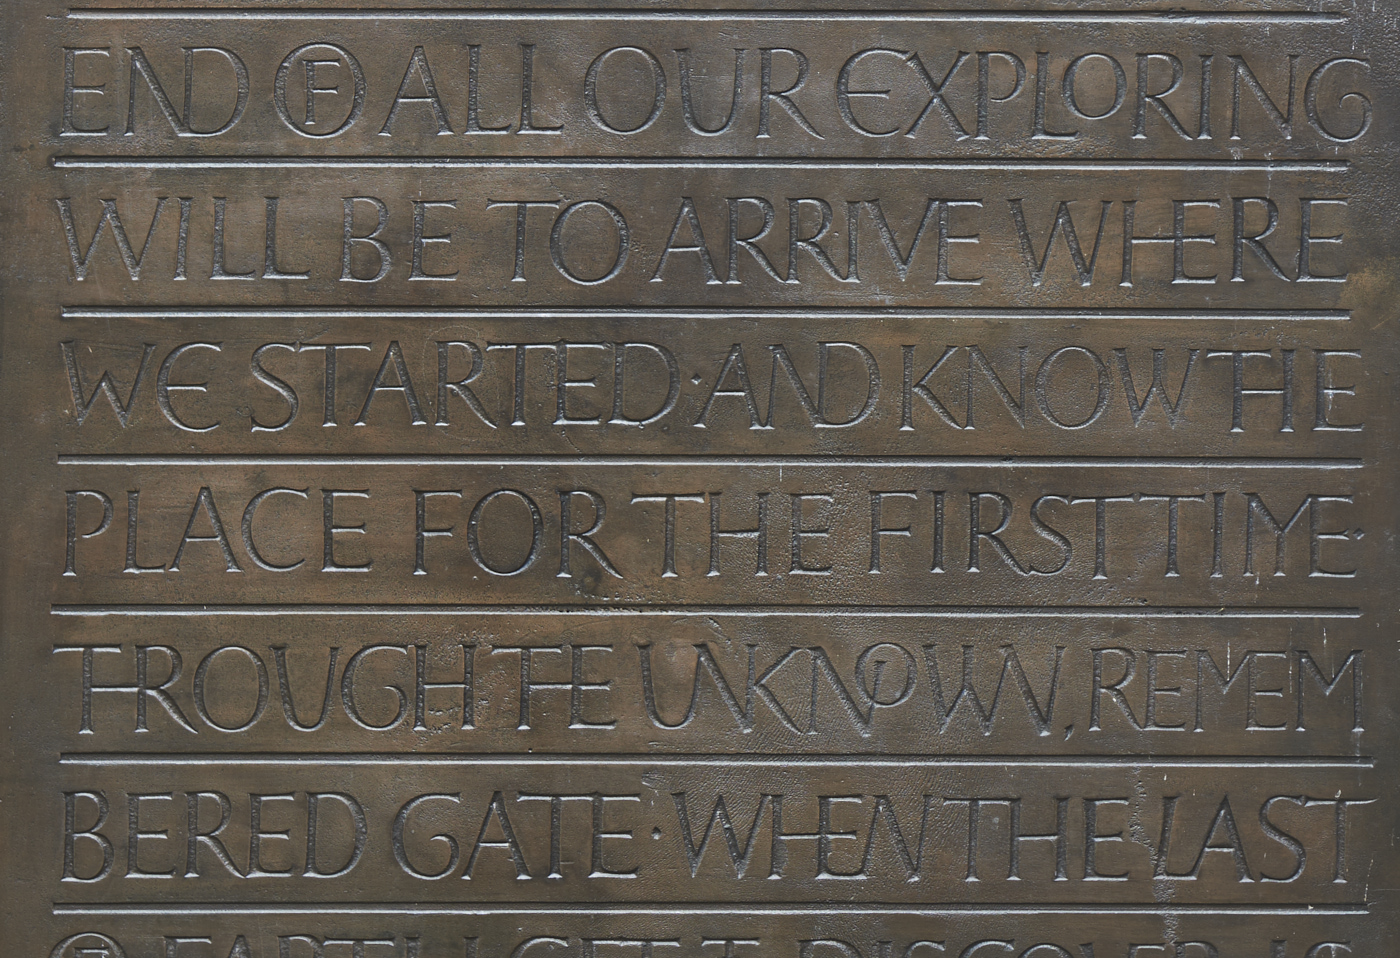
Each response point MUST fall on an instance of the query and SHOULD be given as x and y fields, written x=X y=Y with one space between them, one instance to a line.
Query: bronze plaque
x=674 y=480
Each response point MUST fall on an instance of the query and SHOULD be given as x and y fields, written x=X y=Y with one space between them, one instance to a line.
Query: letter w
x=1041 y=718
x=1138 y=408
x=739 y=856
x=1064 y=222
x=82 y=260
x=83 y=403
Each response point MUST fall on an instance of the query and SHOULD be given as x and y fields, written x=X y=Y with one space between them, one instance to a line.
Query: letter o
x=590 y=90
x=202 y=673
x=110 y=943
x=871 y=694
x=1120 y=86
x=1042 y=378
x=474 y=533
x=1045 y=950
x=556 y=242
x=279 y=89
x=1334 y=949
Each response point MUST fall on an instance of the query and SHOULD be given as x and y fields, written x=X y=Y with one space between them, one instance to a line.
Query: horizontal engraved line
x=515 y=14
x=1008 y=164
x=691 y=313
x=775 y=461
x=725 y=611
x=788 y=760
x=718 y=909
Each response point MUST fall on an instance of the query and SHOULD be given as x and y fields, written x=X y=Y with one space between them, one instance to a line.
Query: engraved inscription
x=675 y=481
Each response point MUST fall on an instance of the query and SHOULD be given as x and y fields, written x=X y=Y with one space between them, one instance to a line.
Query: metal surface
x=682 y=481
